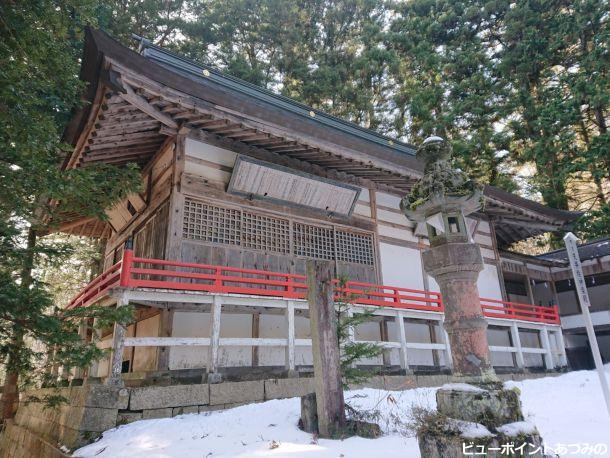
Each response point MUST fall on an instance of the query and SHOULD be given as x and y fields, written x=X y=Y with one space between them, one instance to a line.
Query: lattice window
x=211 y=223
x=313 y=241
x=228 y=226
x=352 y=247
x=265 y=233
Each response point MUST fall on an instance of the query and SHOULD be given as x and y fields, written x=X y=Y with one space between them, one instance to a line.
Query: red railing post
x=218 y=275
x=290 y=286
x=127 y=263
x=556 y=317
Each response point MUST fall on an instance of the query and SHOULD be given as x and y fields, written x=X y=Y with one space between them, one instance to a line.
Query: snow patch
x=433 y=139
x=517 y=428
x=469 y=429
x=462 y=387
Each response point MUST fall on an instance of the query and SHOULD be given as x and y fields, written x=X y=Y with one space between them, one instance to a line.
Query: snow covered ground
x=568 y=410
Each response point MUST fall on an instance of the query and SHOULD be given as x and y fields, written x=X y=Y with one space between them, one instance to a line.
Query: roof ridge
x=241 y=85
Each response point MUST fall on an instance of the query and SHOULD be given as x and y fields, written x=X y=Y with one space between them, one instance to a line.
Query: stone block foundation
x=38 y=431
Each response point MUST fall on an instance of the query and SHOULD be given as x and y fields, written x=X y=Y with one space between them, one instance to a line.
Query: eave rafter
x=133 y=115
x=169 y=111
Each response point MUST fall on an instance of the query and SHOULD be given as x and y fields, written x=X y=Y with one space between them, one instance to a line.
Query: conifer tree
x=39 y=85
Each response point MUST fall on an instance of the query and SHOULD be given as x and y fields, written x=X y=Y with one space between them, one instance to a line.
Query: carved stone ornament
x=442 y=187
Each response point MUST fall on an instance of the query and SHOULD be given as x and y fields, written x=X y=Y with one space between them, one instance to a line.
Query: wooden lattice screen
x=230 y=226
x=313 y=241
x=353 y=247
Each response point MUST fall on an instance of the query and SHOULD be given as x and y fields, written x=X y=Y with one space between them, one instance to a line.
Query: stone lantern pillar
x=440 y=201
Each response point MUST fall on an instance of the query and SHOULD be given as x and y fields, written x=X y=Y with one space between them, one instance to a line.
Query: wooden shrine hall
x=240 y=186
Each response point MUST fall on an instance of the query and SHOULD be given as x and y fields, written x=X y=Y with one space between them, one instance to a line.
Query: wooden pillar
x=563 y=359
x=256 y=319
x=116 y=360
x=173 y=245
x=433 y=339
x=514 y=336
x=166 y=323
x=494 y=242
x=214 y=334
x=79 y=372
x=290 y=359
x=96 y=336
x=546 y=344
x=400 y=324
x=447 y=342
x=529 y=289
x=325 y=348
x=383 y=331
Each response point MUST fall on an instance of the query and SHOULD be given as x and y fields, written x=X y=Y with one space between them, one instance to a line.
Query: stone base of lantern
x=483 y=420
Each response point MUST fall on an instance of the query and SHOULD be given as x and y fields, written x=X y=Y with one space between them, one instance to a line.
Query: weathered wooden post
x=325 y=348
x=118 y=345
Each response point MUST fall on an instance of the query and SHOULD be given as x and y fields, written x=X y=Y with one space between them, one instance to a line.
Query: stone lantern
x=441 y=200
x=439 y=203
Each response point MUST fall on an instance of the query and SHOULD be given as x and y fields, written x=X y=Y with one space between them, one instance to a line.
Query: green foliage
x=352 y=352
x=40 y=46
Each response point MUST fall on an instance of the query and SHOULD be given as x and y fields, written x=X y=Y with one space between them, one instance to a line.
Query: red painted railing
x=494 y=308
x=134 y=272
x=98 y=288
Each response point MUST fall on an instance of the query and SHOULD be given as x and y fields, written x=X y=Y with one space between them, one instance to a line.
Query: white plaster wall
x=302 y=330
x=189 y=324
x=363 y=207
x=418 y=333
x=484 y=226
x=392 y=217
x=369 y=331
x=432 y=285
x=272 y=327
x=362 y=210
x=488 y=283
x=401 y=266
x=210 y=153
x=215 y=156
x=403 y=234
x=500 y=337
x=531 y=339
x=235 y=325
x=387 y=200
x=196 y=324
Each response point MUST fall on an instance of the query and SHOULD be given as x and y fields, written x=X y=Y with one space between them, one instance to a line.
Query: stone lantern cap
x=442 y=188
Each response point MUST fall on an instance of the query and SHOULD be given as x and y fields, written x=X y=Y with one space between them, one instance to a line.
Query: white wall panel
x=397 y=233
x=209 y=152
x=189 y=324
x=488 y=283
x=401 y=266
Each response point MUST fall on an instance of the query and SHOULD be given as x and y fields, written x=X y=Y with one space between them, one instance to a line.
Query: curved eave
x=252 y=121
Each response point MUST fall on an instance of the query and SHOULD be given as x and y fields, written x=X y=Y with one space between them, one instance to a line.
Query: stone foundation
x=93 y=409
x=478 y=420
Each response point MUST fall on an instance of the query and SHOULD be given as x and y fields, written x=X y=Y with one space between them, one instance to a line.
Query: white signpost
x=583 y=296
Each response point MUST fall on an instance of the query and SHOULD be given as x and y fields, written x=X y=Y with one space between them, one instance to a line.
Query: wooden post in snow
x=325 y=349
